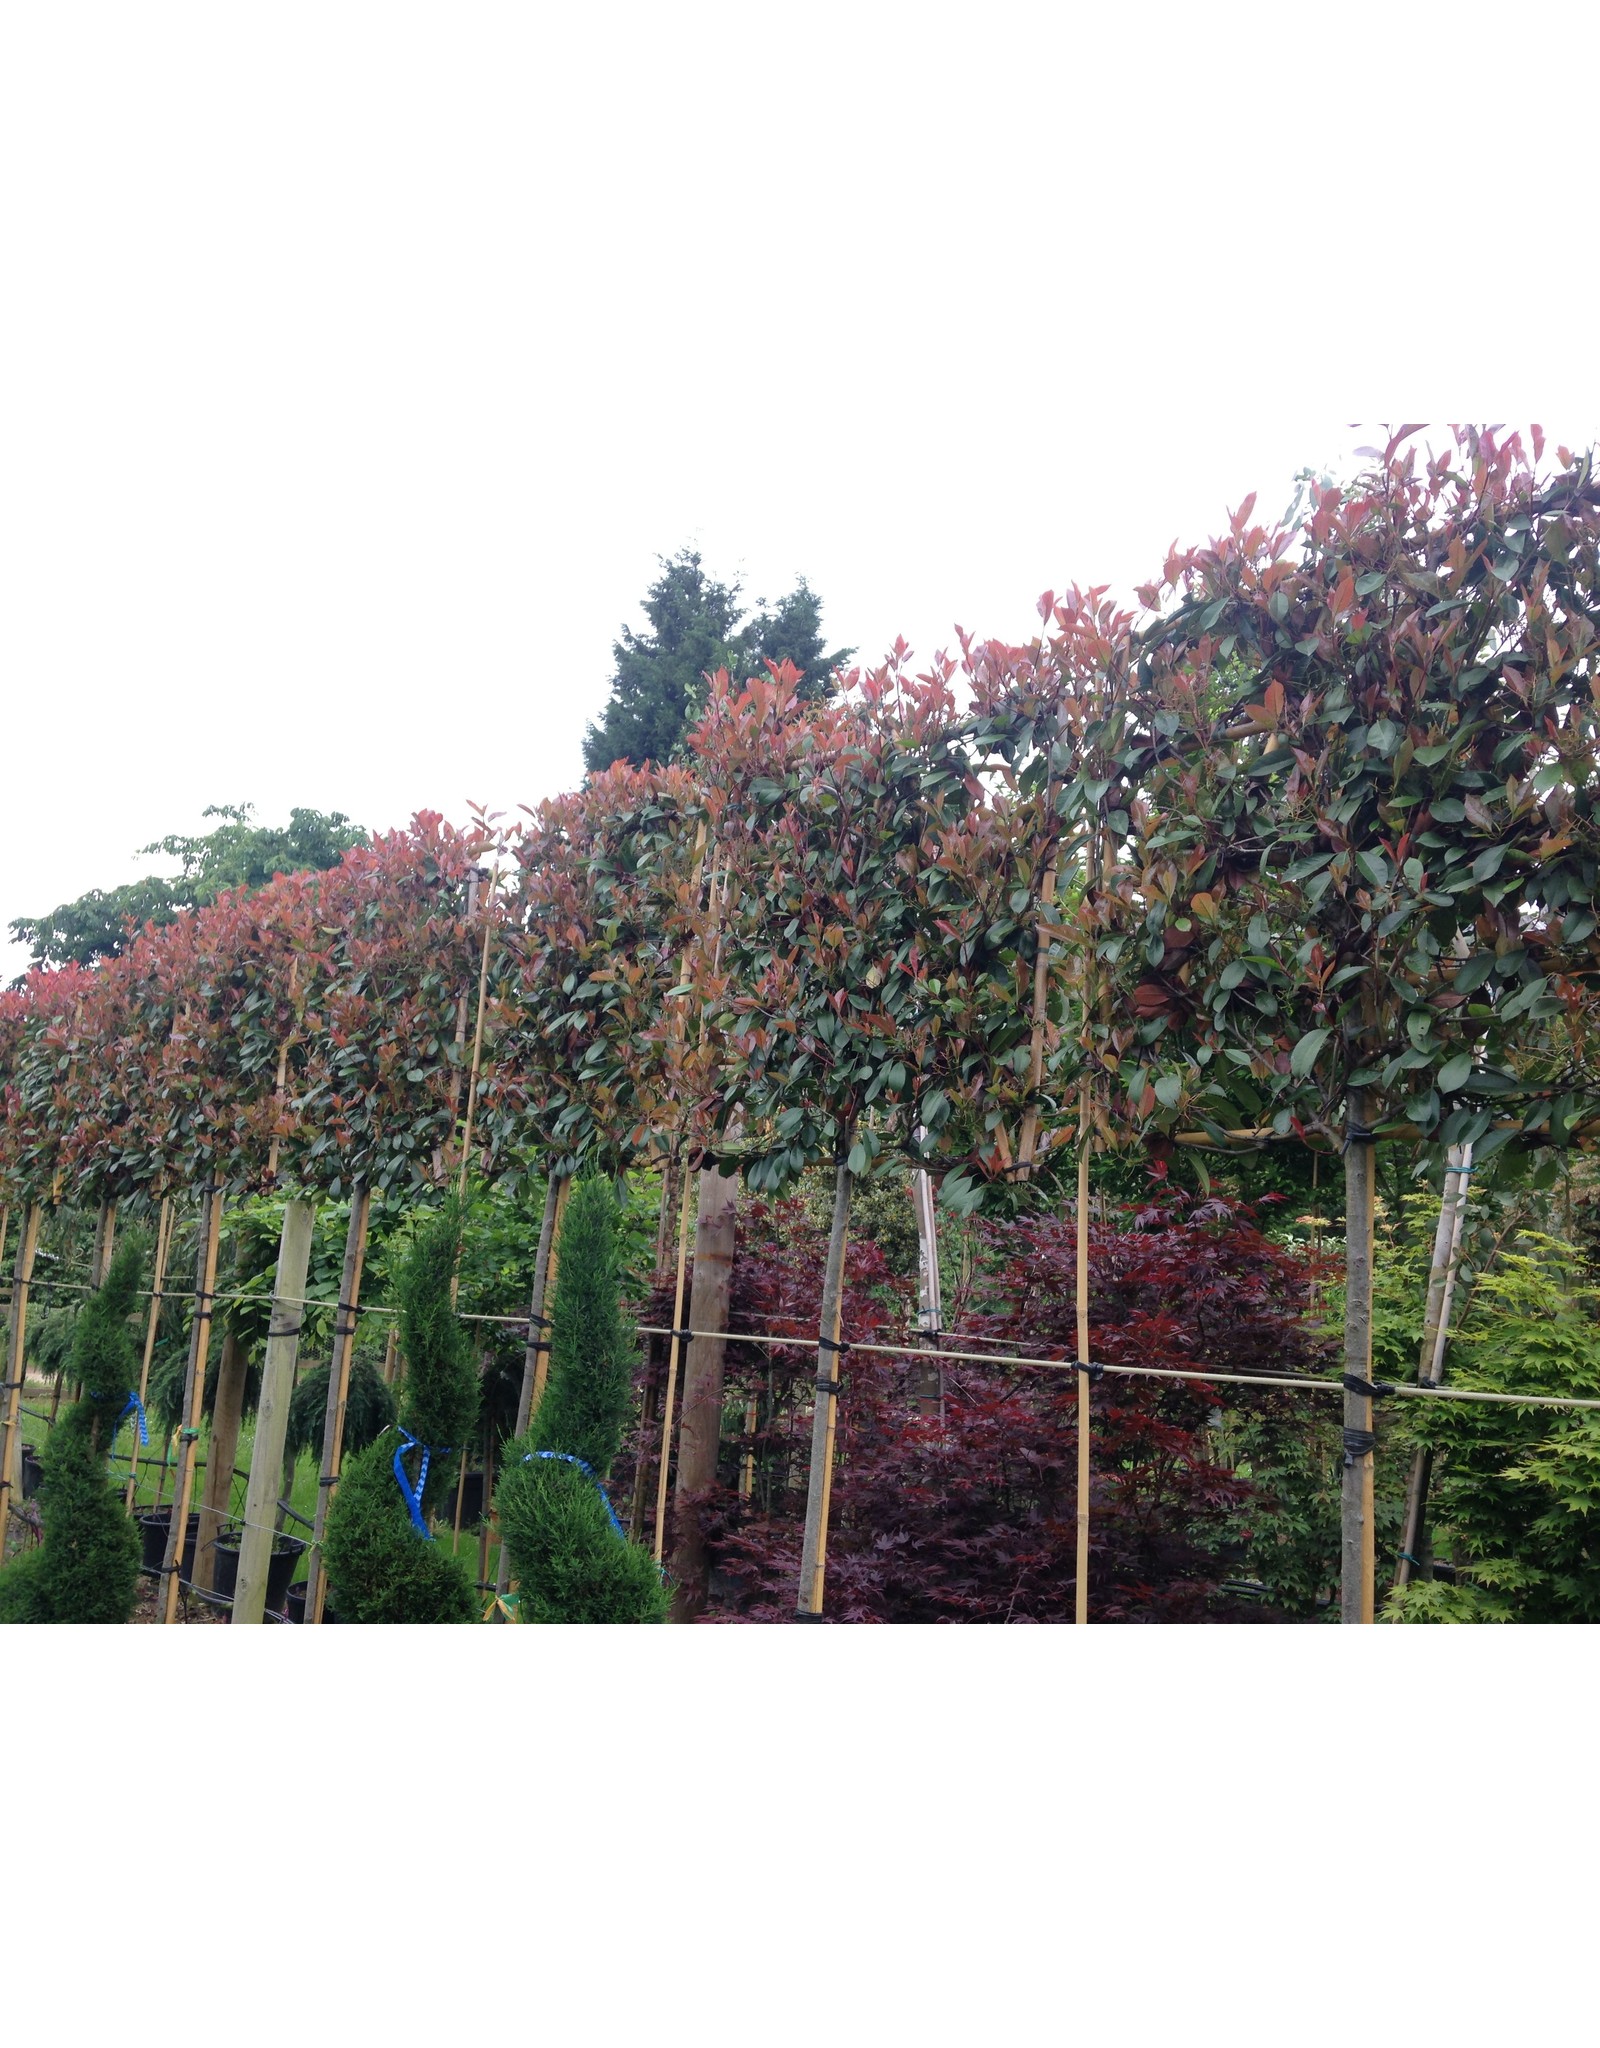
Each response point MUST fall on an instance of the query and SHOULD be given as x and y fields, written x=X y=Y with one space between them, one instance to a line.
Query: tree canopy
x=235 y=854
x=696 y=626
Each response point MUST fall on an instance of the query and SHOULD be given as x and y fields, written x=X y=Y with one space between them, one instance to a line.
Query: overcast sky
x=356 y=364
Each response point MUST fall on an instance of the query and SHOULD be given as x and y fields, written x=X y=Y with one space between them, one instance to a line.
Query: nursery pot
x=471 y=1503
x=286 y=1550
x=295 y=1600
x=153 y=1529
x=32 y=1471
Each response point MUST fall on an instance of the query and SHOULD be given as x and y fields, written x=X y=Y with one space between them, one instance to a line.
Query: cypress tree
x=380 y=1566
x=567 y=1551
x=87 y=1567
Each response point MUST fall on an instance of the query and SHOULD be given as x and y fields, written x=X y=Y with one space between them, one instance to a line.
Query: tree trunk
x=194 y=1392
x=700 y=1432
x=1357 y=1561
x=1080 y=1606
x=218 y=1488
x=927 y=1383
x=1435 y=1330
x=535 y=1351
x=344 y=1340
x=814 y=1551
x=16 y=1364
x=261 y=1513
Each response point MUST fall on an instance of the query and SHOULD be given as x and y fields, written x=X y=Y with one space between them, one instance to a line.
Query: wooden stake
x=533 y=1355
x=391 y=1353
x=488 y=1502
x=16 y=1362
x=272 y=1412
x=477 y=1053
x=344 y=1344
x=158 y=1281
x=541 y=1371
x=461 y=1495
x=672 y=1373
x=194 y=1393
x=105 y=1231
x=226 y=1414
x=819 y=1496
x=1356 y=1542
x=747 y=1465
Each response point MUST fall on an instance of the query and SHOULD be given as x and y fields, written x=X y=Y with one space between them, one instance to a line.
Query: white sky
x=356 y=363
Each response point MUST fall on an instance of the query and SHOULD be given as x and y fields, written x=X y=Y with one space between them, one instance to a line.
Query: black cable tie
x=830 y=1344
x=328 y=1479
x=685 y=1335
x=293 y=1330
x=1373 y=1389
x=1091 y=1371
x=1358 y=1133
x=1358 y=1443
x=833 y=1387
x=1430 y=1384
x=805 y=1614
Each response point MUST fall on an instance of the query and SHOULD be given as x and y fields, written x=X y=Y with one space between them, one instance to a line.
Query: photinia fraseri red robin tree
x=841 y=1040
x=1361 y=892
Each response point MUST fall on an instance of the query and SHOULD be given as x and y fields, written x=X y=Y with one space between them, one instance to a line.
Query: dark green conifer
x=380 y=1567
x=572 y=1561
x=87 y=1567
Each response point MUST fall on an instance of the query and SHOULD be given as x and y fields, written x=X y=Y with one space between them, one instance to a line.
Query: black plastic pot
x=286 y=1551
x=471 y=1503
x=153 y=1529
x=295 y=1604
x=32 y=1471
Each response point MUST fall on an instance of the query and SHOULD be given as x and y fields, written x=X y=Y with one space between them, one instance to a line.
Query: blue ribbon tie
x=567 y=1458
x=413 y=1497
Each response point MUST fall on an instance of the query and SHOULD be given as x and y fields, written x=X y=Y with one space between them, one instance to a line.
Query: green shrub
x=370 y=1408
x=380 y=1567
x=570 y=1558
x=87 y=1567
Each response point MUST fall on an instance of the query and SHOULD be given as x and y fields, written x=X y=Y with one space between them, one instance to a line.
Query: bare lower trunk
x=700 y=1431
x=1435 y=1330
x=225 y=1418
x=814 y=1551
x=1357 y=1538
x=344 y=1340
x=261 y=1514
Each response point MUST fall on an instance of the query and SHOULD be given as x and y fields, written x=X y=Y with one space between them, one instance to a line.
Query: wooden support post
x=105 y=1233
x=272 y=1412
x=747 y=1464
x=461 y=1496
x=541 y=1371
x=700 y=1429
x=194 y=1394
x=928 y=1382
x=158 y=1281
x=819 y=1493
x=344 y=1344
x=391 y=1353
x=488 y=1503
x=672 y=1375
x=16 y=1364
x=1356 y=1542
x=1028 y=1137
x=535 y=1352
x=477 y=1038
x=226 y=1414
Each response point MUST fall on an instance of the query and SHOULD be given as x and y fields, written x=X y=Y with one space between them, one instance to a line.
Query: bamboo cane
x=344 y=1339
x=461 y=1495
x=1435 y=1330
x=195 y=1390
x=541 y=1371
x=1356 y=1543
x=488 y=1503
x=391 y=1354
x=1028 y=1137
x=16 y=1358
x=747 y=1464
x=477 y=1054
x=105 y=1231
x=158 y=1281
x=532 y=1358
x=672 y=1370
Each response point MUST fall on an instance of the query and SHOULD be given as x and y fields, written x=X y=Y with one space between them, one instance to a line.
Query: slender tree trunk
x=1435 y=1330
x=1357 y=1536
x=344 y=1341
x=1080 y=1608
x=225 y=1418
x=158 y=1281
x=16 y=1364
x=700 y=1432
x=194 y=1392
x=927 y=1385
x=814 y=1551
x=261 y=1513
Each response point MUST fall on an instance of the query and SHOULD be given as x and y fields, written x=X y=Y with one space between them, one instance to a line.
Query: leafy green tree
x=237 y=854
x=696 y=627
x=87 y=1568
x=382 y=1564
x=567 y=1549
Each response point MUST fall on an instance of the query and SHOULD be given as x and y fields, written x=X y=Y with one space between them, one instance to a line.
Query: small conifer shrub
x=382 y=1565
x=569 y=1554
x=87 y=1567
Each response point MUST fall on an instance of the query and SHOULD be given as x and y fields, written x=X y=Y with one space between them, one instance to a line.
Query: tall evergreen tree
x=567 y=1549
x=697 y=625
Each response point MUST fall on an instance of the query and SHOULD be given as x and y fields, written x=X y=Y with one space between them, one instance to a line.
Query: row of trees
x=1305 y=853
